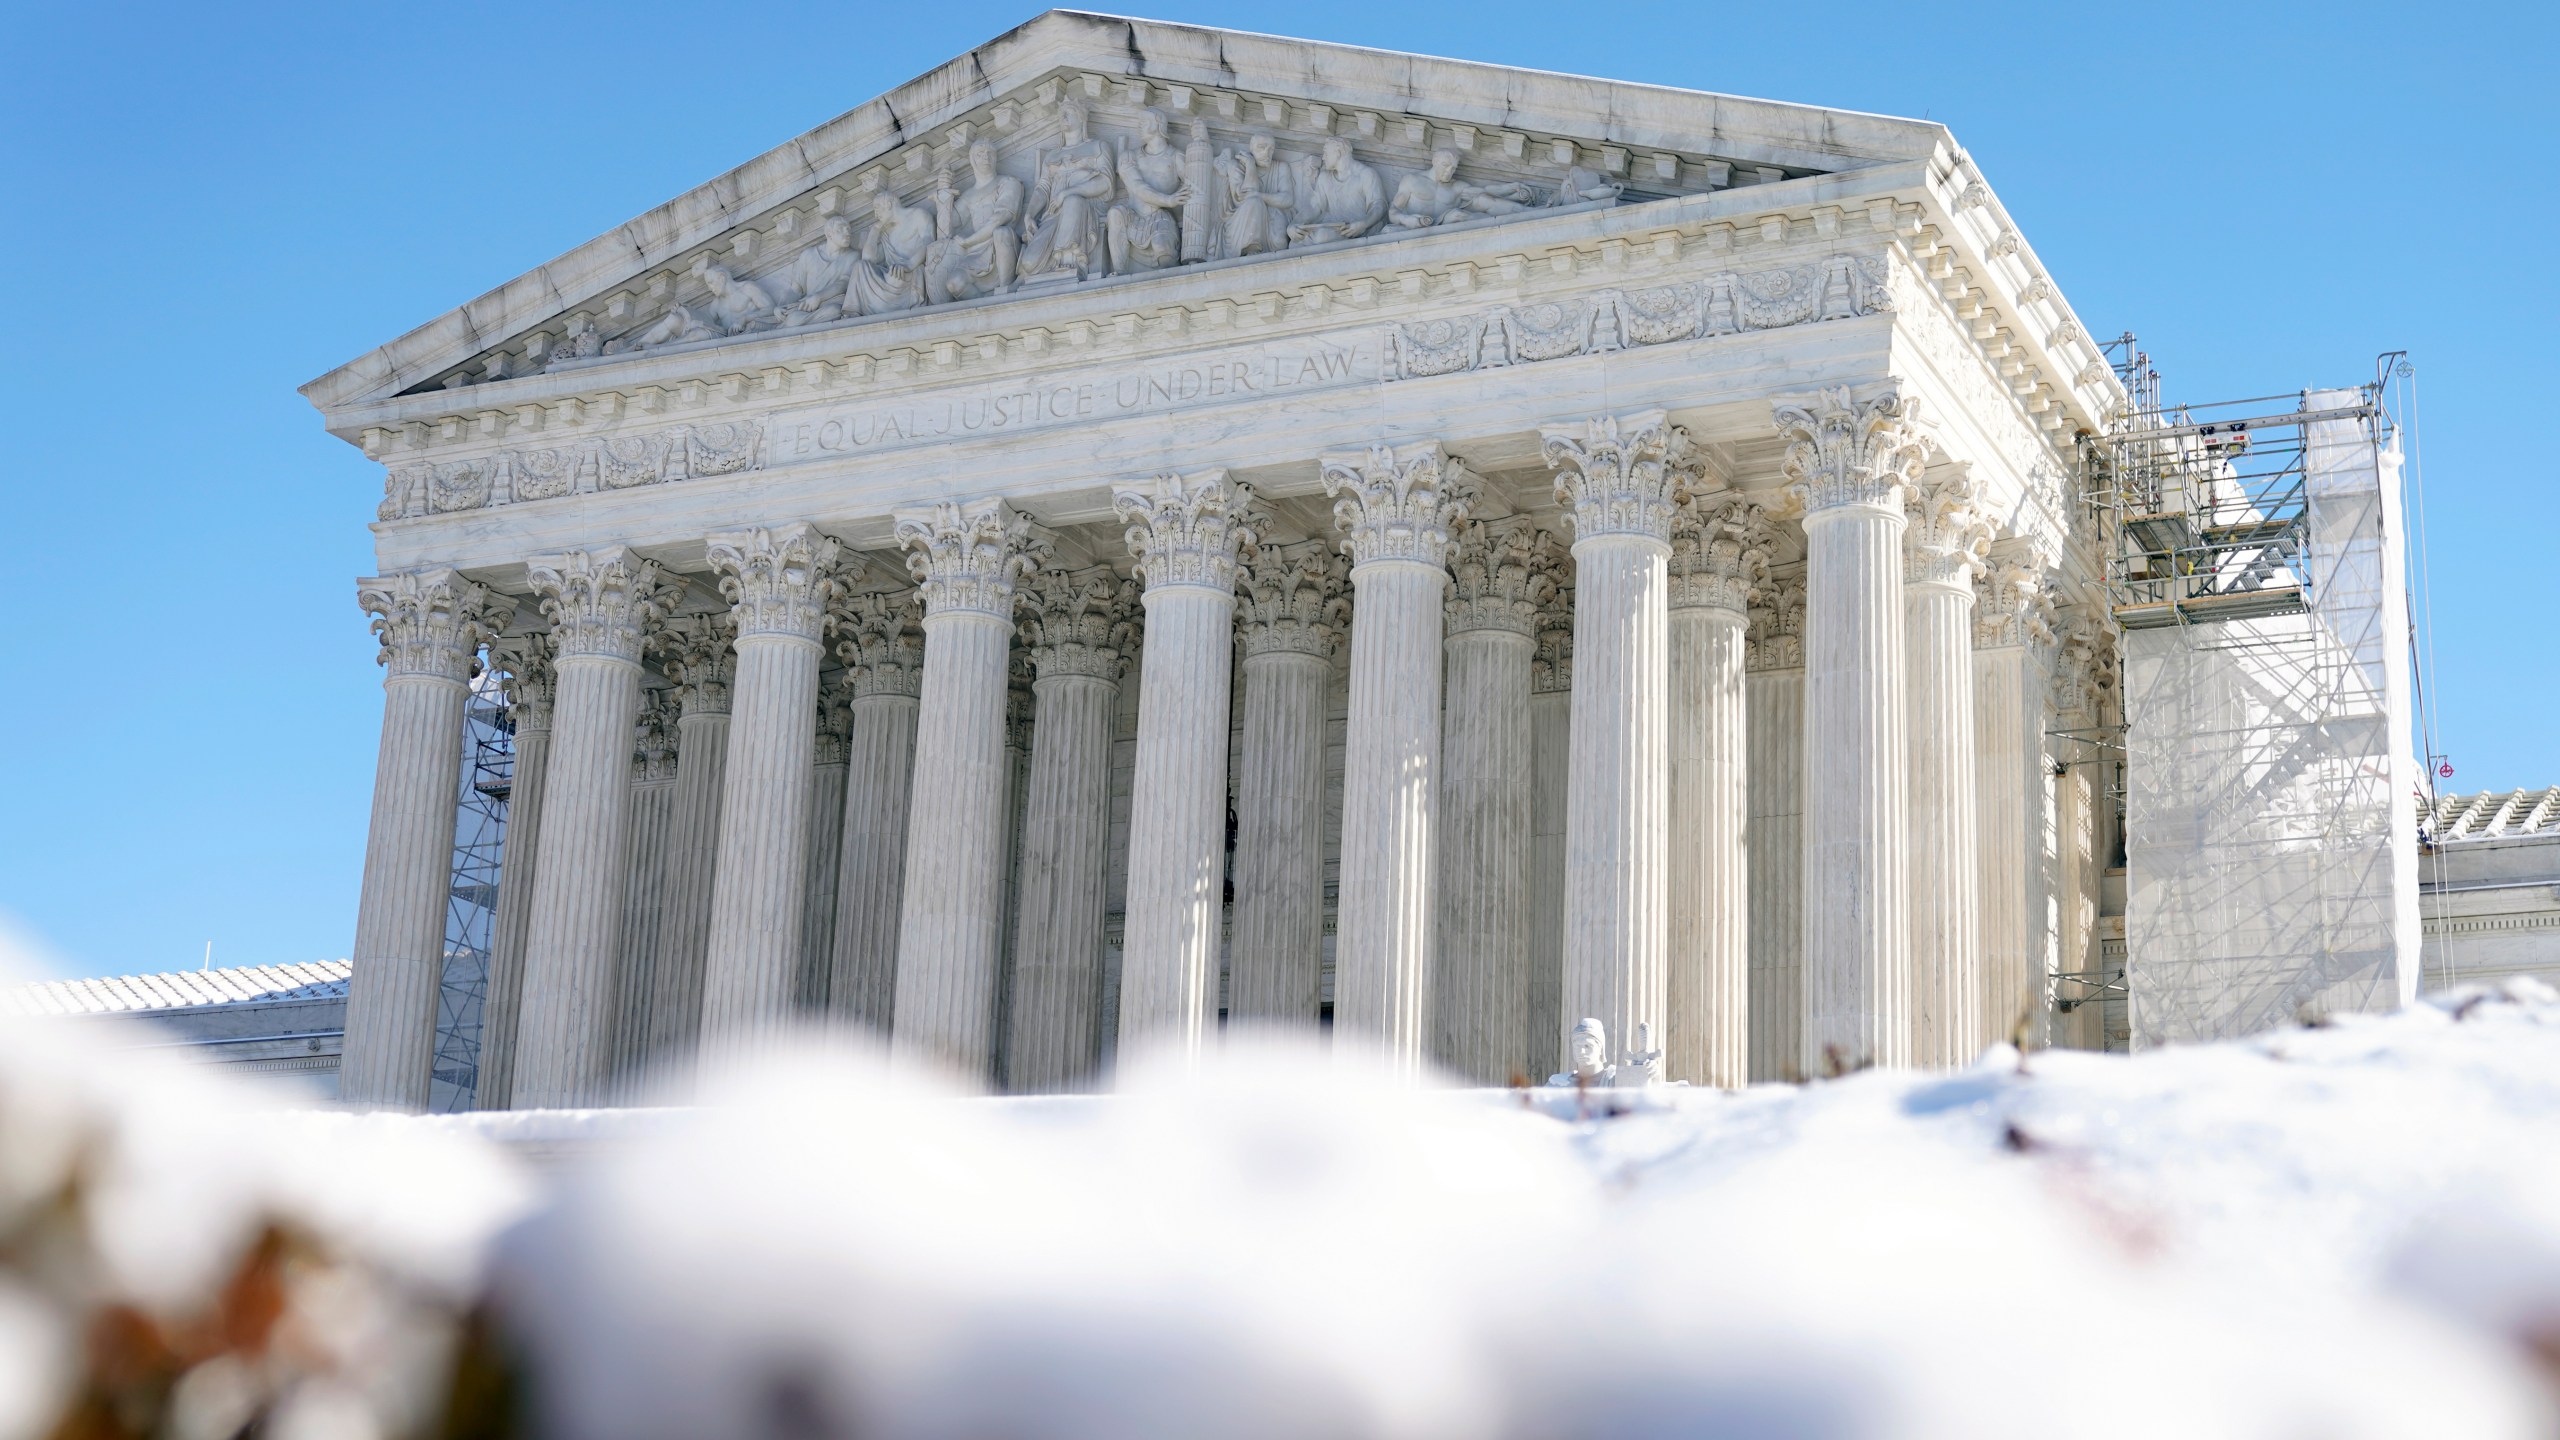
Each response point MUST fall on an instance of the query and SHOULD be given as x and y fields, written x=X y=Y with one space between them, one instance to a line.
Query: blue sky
x=211 y=205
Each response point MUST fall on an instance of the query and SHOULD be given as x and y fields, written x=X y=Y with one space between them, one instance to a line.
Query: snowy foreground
x=2350 y=1231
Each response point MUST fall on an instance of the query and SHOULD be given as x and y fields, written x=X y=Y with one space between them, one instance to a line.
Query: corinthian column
x=653 y=808
x=527 y=660
x=600 y=602
x=827 y=771
x=1618 y=479
x=1185 y=531
x=1291 y=607
x=431 y=624
x=1078 y=627
x=1719 y=549
x=1396 y=509
x=965 y=558
x=1942 y=545
x=699 y=657
x=881 y=642
x=777 y=583
x=1550 y=770
x=1774 y=732
x=1502 y=572
x=1848 y=464
x=2013 y=640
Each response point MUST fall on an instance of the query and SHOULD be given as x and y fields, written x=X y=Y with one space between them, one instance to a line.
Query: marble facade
x=1148 y=524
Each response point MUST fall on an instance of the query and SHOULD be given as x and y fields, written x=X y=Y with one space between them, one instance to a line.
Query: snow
x=2348 y=1231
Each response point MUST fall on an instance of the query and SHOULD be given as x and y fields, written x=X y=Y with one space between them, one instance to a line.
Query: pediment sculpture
x=1089 y=207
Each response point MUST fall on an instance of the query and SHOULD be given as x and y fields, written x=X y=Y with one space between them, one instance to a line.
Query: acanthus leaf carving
x=1720 y=549
x=1079 y=622
x=1397 y=502
x=967 y=555
x=1944 y=533
x=601 y=602
x=1619 y=475
x=528 y=662
x=1293 y=598
x=777 y=580
x=1844 y=450
x=700 y=656
x=1773 y=638
x=880 y=639
x=1501 y=573
x=431 y=622
x=1188 y=529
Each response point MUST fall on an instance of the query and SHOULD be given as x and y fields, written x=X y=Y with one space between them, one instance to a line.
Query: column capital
x=1775 y=637
x=880 y=639
x=527 y=660
x=1187 y=529
x=1397 y=502
x=654 y=736
x=966 y=555
x=431 y=622
x=601 y=601
x=1079 y=622
x=699 y=654
x=2013 y=604
x=1944 y=532
x=1020 y=702
x=1845 y=451
x=1293 y=599
x=2084 y=672
x=777 y=581
x=1502 y=571
x=1720 y=549
x=835 y=721
x=1551 y=663
x=1619 y=474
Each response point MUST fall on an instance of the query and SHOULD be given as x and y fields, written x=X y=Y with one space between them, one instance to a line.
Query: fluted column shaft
x=600 y=602
x=653 y=805
x=1850 y=464
x=1185 y=532
x=1550 y=767
x=1290 y=602
x=1941 y=547
x=529 y=686
x=1776 y=740
x=950 y=941
x=827 y=782
x=702 y=661
x=430 y=624
x=1055 y=1034
x=1483 y=980
x=1709 y=1041
x=882 y=646
x=778 y=582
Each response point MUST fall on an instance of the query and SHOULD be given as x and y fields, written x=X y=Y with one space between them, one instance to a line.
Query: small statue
x=816 y=280
x=735 y=305
x=581 y=343
x=890 y=275
x=1583 y=185
x=980 y=243
x=1066 y=231
x=1587 y=1056
x=1346 y=200
x=1643 y=1064
x=1145 y=230
x=1439 y=197
x=1264 y=190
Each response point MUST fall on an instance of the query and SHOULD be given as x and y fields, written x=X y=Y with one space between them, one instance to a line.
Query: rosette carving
x=1188 y=529
x=1501 y=572
x=777 y=581
x=966 y=555
x=1846 y=451
x=1293 y=599
x=1619 y=475
x=1081 y=622
x=601 y=602
x=431 y=622
x=880 y=639
x=1398 y=503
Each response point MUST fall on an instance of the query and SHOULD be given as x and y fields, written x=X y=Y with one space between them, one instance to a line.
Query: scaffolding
x=479 y=838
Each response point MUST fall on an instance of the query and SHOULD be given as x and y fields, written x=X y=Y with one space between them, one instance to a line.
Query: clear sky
x=212 y=204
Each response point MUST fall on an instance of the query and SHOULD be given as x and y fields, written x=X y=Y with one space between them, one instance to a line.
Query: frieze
x=612 y=462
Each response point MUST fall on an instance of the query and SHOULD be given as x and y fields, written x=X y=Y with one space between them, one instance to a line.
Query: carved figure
x=890 y=275
x=816 y=280
x=1145 y=230
x=1438 y=197
x=1265 y=192
x=981 y=239
x=1643 y=1064
x=1582 y=185
x=1345 y=200
x=735 y=305
x=581 y=343
x=1586 y=1056
x=1067 y=201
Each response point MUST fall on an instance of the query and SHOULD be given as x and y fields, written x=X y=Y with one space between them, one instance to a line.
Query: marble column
x=699 y=656
x=2083 y=692
x=1292 y=606
x=881 y=642
x=1185 y=531
x=827 y=773
x=653 y=808
x=1501 y=572
x=1618 y=479
x=1078 y=626
x=601 y=602
x=1550 y=772
x=1774 y=733
x=1943 y=540
x=1849 y=462
x=527 y=660
x=966 y=558
x=1397 y=508
x=1719 y=550
x=431 y=624
x=777 y=582
x=2013 y=638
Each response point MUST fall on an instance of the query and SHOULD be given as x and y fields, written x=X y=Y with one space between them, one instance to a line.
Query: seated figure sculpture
x=890 y=275
x=1145 y=230
x=1064 y=212
x=1262 y=191
x=735 y=305
x=980 y=242
x=1344 y=201
x=815 y=281
x=1438 y=197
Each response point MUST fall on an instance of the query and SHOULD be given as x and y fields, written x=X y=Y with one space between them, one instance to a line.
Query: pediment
x=1199 y=147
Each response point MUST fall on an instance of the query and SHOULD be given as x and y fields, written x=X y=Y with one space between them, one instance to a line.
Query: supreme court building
x=1147 y=524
